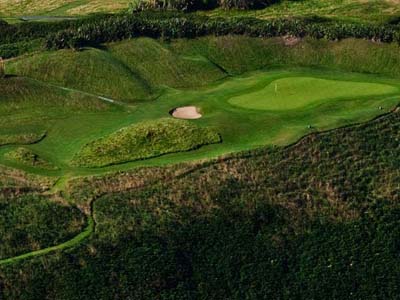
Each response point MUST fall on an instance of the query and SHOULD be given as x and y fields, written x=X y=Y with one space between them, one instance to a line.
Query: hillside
x=218 y=153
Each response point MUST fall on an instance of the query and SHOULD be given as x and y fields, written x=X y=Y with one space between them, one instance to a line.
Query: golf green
x=297 y=92
x=266 y=107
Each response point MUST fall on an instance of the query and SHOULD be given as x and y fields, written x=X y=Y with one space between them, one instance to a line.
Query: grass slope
x=296 y=92
x=239 y=54
x=170 y=69
x=91 y=70
x=145 y=140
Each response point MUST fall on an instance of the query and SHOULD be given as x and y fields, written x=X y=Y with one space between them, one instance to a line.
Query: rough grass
x=23 y=96
x=91 y=70
x=145 y=140
x=28 y=158
x=21 y=139
x=238 y=54
x=59 y=7
x=357 y=10
x=296 y=92
x=170 y=69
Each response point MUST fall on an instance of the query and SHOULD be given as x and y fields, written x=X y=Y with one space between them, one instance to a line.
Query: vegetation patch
x=145 y=140
x=21 y=139
x=297 y=92
x=92 y=70
x=29 y=158
x=29 y=223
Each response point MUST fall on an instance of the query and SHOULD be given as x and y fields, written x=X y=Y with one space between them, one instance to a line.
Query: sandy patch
x=186 y=112
x=291 y=40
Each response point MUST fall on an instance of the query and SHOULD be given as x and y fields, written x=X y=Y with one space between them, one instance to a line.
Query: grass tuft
x=29 y=158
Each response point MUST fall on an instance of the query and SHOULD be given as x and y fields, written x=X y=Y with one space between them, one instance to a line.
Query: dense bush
x=29 y=223
x=175 y=25
x=99 y=29
x=192 y=5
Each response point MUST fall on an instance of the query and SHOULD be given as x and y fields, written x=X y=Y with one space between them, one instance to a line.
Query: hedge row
x=106 y=28
x=192 y=25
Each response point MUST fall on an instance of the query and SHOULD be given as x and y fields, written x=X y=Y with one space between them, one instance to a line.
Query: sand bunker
x=186 y=112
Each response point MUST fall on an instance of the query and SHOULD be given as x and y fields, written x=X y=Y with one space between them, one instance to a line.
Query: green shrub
x=29 y=158
x=145 y=140
x=177 y=25
x=21 y=139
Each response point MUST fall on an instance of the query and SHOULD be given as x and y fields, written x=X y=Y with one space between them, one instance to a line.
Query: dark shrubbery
x=176 y=25
x=193 y=5
x=99 y=29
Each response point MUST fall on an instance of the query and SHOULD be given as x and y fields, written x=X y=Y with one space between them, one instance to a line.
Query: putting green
x=71 y=120
x=296 y=92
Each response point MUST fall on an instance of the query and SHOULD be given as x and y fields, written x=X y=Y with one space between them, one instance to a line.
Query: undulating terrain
x=217 y=154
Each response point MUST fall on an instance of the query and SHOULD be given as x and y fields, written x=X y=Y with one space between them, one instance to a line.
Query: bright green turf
x=145 y=140
x=72 y=119
x=297 y=92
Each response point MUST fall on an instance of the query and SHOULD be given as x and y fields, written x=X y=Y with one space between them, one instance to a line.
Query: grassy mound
x=28 y=158
x=29 y=223
x=296 y=92
x=171 y=69
x=145 y=140
x=92 y=70
x=238 y=54
x=23 y=96
x=20 y=139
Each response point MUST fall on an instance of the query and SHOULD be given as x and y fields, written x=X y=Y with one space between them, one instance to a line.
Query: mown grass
x=297 y=92
x=73 y=120
x=145 y=140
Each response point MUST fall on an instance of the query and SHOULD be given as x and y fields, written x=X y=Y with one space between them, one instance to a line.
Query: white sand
x=186 y=112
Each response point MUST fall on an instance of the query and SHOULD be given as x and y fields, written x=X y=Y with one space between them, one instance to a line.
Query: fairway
x=266 y=107
x=297 y=92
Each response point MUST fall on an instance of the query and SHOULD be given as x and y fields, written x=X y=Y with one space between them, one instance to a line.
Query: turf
x=297 y=92
x=93 y=71
x=145 y=140
x=172 y=69
x=72 y=119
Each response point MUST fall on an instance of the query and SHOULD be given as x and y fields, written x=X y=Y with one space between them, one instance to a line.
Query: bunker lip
x=186 y=112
